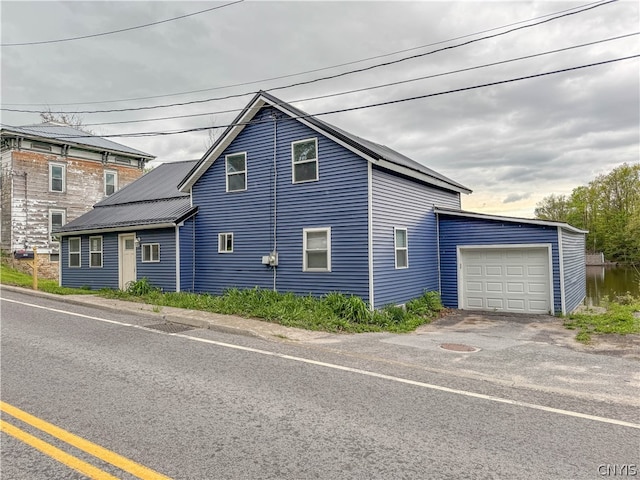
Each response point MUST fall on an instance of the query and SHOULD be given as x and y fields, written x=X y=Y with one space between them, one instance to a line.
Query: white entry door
x=501 y=278
x=127 y=259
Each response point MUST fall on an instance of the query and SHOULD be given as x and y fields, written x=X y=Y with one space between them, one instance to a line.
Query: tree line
x=608 y=207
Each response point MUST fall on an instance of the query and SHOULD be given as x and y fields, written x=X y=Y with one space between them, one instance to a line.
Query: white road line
x=358 y=371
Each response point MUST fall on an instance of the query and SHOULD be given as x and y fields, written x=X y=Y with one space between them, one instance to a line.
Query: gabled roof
x=151 y=201
x=65 y=134
x=380 y=155
x=499 y=218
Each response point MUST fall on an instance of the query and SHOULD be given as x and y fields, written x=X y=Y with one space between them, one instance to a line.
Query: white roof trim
x=484 y=216
x=121 y=229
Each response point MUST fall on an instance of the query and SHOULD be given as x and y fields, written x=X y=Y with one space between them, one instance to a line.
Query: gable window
x=401 y=247
x=110 y=182
x=95 y=252
x=316 y=249
x=56 y=221
x=74 y=252
x=236 y=166
x=225 y=243
x=305 y=160
x=57 y=179
x=150 y=252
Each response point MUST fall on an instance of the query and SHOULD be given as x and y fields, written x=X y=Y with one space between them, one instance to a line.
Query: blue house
x=288 y=202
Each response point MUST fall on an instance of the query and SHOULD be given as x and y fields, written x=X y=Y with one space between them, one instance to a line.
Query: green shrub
x=141 y=287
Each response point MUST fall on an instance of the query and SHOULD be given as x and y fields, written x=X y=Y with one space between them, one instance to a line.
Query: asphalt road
x=201 y=404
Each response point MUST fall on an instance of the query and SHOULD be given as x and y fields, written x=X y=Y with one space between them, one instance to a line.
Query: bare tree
x=71 y=119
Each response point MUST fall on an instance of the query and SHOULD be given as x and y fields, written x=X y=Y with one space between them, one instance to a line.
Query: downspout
x=275 y=197
x=438 y=249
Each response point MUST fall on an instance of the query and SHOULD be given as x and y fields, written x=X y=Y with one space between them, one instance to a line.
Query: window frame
x=243 y=172
x=305 y=249
x=151 y=258
x=53 y=211
x=115 y=181
x=92 y=252
x=222 y=244
x=397 y=249
x=63 y=167
x=73 y=252
x=294 y=162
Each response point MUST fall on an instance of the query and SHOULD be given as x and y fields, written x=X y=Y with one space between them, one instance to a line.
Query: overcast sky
x=512 y=144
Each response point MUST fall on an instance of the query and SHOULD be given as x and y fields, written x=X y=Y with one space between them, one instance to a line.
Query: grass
x=10 y=276
x=620 y=317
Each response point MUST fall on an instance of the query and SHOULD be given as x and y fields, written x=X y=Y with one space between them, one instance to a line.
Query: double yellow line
x=81 y=466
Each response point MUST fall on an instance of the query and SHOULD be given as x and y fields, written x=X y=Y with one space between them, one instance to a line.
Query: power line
x=311 y=71
x=350 y=109
x=118 y=31
x=357 y=90
x=360 y=70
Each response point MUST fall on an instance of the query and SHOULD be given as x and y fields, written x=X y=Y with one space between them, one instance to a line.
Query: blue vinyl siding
x=337 y=200
x=574 y=265
x=456 y=231
x=399 y=202
x=95 y=278
x=187 y=256
x=160 y=274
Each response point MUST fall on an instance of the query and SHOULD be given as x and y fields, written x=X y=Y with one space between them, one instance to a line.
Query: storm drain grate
x=170 y=327
x=458 y=347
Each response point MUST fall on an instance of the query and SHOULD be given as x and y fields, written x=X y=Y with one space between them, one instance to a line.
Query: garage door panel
x=508 y=279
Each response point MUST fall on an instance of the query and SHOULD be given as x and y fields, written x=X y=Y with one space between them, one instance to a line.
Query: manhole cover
x=458 y=347
x=170 y=327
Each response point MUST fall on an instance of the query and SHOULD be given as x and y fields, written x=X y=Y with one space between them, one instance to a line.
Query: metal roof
x=365 y=148
x=67 y=134
x=153 y=199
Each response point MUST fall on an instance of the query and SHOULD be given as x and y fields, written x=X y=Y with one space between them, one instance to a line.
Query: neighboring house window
x=305 y=160
x=54 y=257
x=317 y=249
x=57 y=177
x=74 y=253
x=225 y=243
x=110 y=182
x=151 y=252
x=56 y=221
x=236 y=172
x=95 y=252
x=401 y=247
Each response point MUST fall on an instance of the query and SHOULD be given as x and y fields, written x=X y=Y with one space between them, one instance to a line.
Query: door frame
x=121 y=239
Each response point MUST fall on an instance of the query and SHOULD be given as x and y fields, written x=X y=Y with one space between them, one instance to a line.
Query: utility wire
x=309 y=71
x=118 y=31
x=359 y=70
x=357 y=90
x=350 y=109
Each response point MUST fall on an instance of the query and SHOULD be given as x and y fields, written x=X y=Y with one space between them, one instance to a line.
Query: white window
x=56 y=221
x=57 y=174
x=74 y=252
x=401 y=247
x=317 y=249
x=236 y=167
x=151 y=252
x=225 y=243
x=305 y=160
x=110 y=182
x=95 y=252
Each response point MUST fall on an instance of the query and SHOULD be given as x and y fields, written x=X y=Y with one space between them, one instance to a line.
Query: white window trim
x=222 y=242
x=79 y=252
x=294 y=163
x=396 y=248
x=150 y=247
x=91 y=252
x=64 y=177
x=64 y=220
x=115 y=181
x=305 y=268
x=244 y=172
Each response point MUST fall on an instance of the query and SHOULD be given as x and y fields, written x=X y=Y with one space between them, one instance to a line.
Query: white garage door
x=505 y=279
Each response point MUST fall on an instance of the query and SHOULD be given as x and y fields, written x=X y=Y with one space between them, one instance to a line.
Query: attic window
x=305 y=160
x=236 y=165
x=45 y=147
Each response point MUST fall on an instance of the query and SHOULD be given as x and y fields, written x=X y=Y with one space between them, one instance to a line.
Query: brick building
x=50 y=174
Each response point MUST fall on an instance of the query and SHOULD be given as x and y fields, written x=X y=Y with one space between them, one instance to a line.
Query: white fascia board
x=484 y=216
x=131 y=228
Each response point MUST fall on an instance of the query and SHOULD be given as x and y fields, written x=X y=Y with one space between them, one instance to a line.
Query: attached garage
x=507 y=264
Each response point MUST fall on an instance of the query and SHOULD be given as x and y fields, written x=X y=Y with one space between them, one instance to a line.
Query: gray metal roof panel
x=68 y=134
